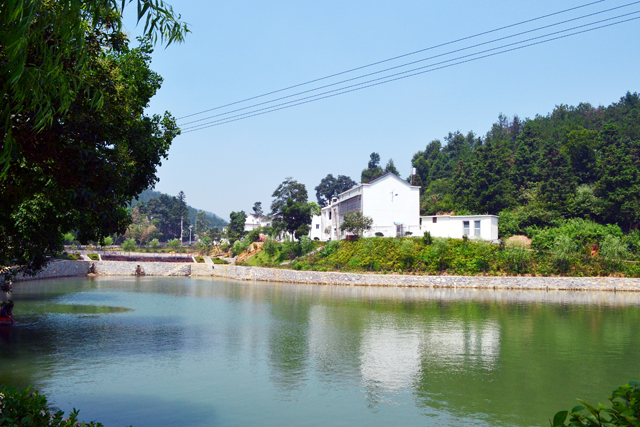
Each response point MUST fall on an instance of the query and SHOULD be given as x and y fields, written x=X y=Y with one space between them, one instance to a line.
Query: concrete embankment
x=117 y=268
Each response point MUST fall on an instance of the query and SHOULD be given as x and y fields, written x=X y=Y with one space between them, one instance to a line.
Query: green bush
x=239 y=246
x=624 y=411
x=27 y=408
x=427 y=239
x=94 y=257
x=291 y=249
x=217 y=260
x=199 y=259
x=154 y=244
x=129 y=245
x=174 y=244
x=108 y=241
x=68 y=238
x=271 y=247
x=330 y=248
x=306 y=245
x=224 y=247
x=584 y=232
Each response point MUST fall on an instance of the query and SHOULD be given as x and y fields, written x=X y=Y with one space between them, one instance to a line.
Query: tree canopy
x=576 y=162
x=330 y=187
x=76 y=145
x=290 y=210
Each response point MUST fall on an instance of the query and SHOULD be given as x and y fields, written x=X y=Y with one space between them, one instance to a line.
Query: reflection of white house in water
x=457 y=343
x=393 y=356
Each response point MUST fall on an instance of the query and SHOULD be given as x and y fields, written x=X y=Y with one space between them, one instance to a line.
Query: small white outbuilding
x=483 y=227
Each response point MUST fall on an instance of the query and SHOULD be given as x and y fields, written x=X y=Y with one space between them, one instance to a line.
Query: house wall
x=316 y=227
x=388 y=202
x=452 y=226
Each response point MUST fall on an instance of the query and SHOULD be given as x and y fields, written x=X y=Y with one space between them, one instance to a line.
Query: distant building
x=393 y=204
x=483 y=227
x=253 y=221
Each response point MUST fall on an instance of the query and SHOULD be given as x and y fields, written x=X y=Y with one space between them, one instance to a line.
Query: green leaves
x=624 y=411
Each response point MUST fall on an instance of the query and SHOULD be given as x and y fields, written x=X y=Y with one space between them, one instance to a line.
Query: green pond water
x=207 y=352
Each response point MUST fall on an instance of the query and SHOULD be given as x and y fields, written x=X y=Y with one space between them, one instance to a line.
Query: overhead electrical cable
x=396 y=57
x=420 y=60
x=317 y=98
x=387 y=79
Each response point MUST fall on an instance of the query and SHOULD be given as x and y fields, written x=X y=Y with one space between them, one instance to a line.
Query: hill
x=214 y=219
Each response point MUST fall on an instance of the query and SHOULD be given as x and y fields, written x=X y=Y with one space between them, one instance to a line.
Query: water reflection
x=237 y=353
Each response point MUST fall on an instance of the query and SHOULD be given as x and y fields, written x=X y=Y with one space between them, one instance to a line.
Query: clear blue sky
x=245 y=48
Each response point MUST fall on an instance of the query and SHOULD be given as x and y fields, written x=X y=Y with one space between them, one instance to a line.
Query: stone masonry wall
x=116 y=268
x=62 y=268
x=478 y=282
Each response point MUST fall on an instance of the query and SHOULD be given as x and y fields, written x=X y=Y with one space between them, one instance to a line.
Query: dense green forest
x=213 y=219
x=576 y=162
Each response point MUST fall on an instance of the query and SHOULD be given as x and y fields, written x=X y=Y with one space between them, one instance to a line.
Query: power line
x=387 y=79
x=394 y=58
x=417 y=61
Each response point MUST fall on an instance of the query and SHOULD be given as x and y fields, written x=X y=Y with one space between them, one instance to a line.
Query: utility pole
x=181 y=230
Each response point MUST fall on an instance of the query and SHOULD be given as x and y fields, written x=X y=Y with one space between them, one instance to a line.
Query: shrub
x=224 y=247
x=219 y=261
x=291 y=249
x=27 y=408
x=271 y=247
x=563 y=252
x=68 y=238
x=613 y=251
x=427 y=239
x=199 y=259
x=624 y=410
x=174 y=244
x=239 y=246
x=516 y=258
x=94 y=257
x=129 y=245
x=108 y=241
x=583 y=232
x=330 y=248
x=154 y=244
x=306 y=245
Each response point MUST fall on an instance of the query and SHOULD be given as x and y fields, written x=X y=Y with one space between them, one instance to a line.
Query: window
x=329 y=214
x=317 y=226
x=435 y=220
x=465 y=228
x=476 y=228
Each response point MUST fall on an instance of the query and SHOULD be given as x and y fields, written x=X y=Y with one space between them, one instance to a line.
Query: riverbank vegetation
x=575 y=248
x=624 y=410
x=29 y=408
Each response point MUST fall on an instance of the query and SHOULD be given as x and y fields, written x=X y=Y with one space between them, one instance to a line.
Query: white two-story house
x=393 y=204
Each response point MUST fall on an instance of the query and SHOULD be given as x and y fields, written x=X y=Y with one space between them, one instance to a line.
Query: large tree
x=373 y=169
x=289 y=209
x=330 y=187
x=76 y=144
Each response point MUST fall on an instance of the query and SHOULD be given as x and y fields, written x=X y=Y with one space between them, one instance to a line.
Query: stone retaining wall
x=126 y=268
x=62 y=268
x=473 y=282
x=123 y=268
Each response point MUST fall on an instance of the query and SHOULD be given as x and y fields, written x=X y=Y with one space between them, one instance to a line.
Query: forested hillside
x=213 y=219
x=576 y=162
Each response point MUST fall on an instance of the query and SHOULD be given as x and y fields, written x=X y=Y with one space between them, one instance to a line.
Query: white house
x=484 y=227
x=393 y=204
x=253 y=221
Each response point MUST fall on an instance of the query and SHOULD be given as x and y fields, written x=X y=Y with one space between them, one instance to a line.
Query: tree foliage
x=47 y=58
x=373 y=169
x=289 y=201
x=330 y=187
x=356 y=223
x=576 y=162
x=235 y=229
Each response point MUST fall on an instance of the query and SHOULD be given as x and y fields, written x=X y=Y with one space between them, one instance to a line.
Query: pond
x=208 y=352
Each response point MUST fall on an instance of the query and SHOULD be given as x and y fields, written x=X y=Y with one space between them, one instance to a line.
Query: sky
x=246 y=48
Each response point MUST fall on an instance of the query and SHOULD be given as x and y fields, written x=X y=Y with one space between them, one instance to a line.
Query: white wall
x=389 y=200
x=316 y=228
x=452 y=226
